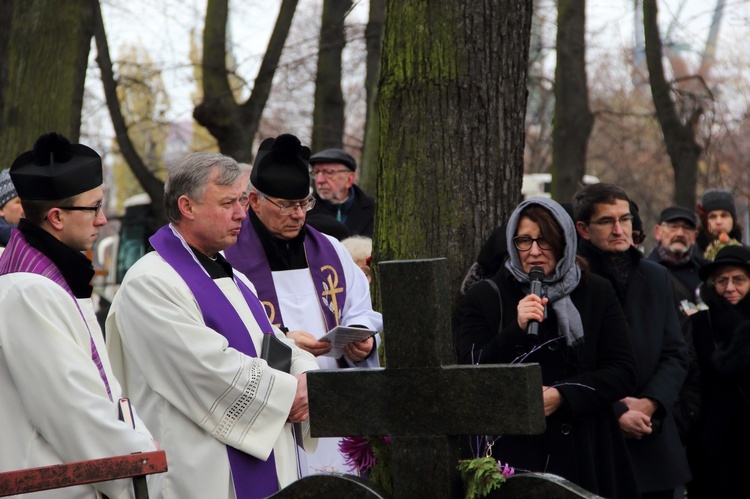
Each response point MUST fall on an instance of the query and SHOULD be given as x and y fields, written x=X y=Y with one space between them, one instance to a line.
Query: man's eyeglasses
x=96 y=209
x=610 y=222
x=285 y=210
x=329 y=173
x=737 y=280
x=524 y=243
x=245 y=200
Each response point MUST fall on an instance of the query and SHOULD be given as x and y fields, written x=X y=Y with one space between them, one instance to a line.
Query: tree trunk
x=328 y=114
x=150 y=184
x=679 y=137
x=573 y=119
x=234 y=125
x=368 y=164
x=6 y=13
x=47 y=54
x=452 y=107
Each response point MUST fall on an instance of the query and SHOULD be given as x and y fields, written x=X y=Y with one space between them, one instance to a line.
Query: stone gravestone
x=422 y=400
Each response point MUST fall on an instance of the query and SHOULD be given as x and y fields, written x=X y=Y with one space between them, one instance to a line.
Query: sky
x=164 y=27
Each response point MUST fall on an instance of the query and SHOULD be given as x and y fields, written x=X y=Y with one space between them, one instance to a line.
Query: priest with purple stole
x=307 y=281
x=58 y=394
x=191 y=341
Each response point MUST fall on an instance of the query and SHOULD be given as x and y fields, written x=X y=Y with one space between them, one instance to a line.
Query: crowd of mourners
x=645 y=359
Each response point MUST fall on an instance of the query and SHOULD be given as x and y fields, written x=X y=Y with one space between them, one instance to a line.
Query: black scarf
x=617 y=271
x=74 y=266
x=282 y=254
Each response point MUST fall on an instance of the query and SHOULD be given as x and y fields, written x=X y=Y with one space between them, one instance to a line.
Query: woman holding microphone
x=575 y=329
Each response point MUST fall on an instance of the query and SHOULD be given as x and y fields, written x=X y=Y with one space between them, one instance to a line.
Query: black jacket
x=719 y=452
x=686 y=275
x=583 y=442
x=360 y=215
x=662 y=358
x=685 y=283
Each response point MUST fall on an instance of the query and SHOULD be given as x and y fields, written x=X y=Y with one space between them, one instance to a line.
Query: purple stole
x=249 y=257
x=252 y=477
x=20 y=256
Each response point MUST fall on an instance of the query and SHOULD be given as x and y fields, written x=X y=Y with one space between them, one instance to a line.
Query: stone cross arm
x=449 y=400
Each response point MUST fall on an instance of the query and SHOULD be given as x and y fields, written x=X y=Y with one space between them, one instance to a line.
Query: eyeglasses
x=524 y=243
x=285 y=210
x=244 y=200
x=96 y=209
x=329 y=173
x=610 y=222
x=673 y=226
x=737 y=280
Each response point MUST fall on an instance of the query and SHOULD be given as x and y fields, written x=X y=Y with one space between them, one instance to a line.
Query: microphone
x=536 y=274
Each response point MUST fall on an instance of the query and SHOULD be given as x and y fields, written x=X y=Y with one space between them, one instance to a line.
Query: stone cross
x=421 y=399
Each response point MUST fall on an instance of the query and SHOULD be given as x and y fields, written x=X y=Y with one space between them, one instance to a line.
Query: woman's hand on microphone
x=531 y=308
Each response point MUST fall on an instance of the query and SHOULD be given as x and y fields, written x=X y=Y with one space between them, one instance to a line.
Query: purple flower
x=505 y=470
x=358 y=453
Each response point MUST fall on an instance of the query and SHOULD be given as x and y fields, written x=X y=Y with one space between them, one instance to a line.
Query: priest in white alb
x=307 y=280
x=58 y=395
x=186 y=335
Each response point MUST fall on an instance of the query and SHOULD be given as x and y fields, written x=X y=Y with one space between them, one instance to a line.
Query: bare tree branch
x=234 y=126
x=150 y=184
x=682 y=147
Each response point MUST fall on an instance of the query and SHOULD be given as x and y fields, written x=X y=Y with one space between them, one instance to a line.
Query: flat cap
x=334 y=156
x=678 y=213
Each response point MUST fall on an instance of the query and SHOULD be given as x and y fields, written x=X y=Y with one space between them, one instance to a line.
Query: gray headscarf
x=558 y=286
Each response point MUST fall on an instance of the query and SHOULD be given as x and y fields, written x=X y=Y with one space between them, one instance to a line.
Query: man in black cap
x=307 y=280
x=333 y=172
x=675 y=235
x=59 y=396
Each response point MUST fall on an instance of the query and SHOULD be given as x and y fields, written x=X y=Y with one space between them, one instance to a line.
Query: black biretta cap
x=280 y=168
x=56 y=169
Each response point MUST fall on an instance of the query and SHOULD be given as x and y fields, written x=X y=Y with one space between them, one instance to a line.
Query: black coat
x=662 y=357
x=583 y=442
x=360 y=216
x=686 y=275
x=720 y=451
x=685 y=282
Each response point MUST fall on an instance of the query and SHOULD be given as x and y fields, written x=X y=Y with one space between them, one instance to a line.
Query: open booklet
x=340 y=336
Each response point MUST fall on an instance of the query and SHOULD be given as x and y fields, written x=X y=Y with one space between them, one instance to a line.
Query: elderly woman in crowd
x=719 y=453
x=582 y=345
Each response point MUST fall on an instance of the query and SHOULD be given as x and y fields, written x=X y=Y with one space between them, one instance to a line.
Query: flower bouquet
x=721 y=241
x=370 y=457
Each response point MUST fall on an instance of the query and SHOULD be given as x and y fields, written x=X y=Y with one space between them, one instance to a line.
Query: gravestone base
x=332 y=485
x=521 y=486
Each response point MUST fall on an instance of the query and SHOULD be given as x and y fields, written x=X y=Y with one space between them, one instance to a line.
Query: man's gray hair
x=190 y=178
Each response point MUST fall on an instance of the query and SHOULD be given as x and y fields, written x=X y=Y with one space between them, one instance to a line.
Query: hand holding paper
x=341 y=336
x=357 y=351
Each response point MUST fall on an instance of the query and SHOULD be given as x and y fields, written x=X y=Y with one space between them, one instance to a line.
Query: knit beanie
x=7 y=190
x=716 y=199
